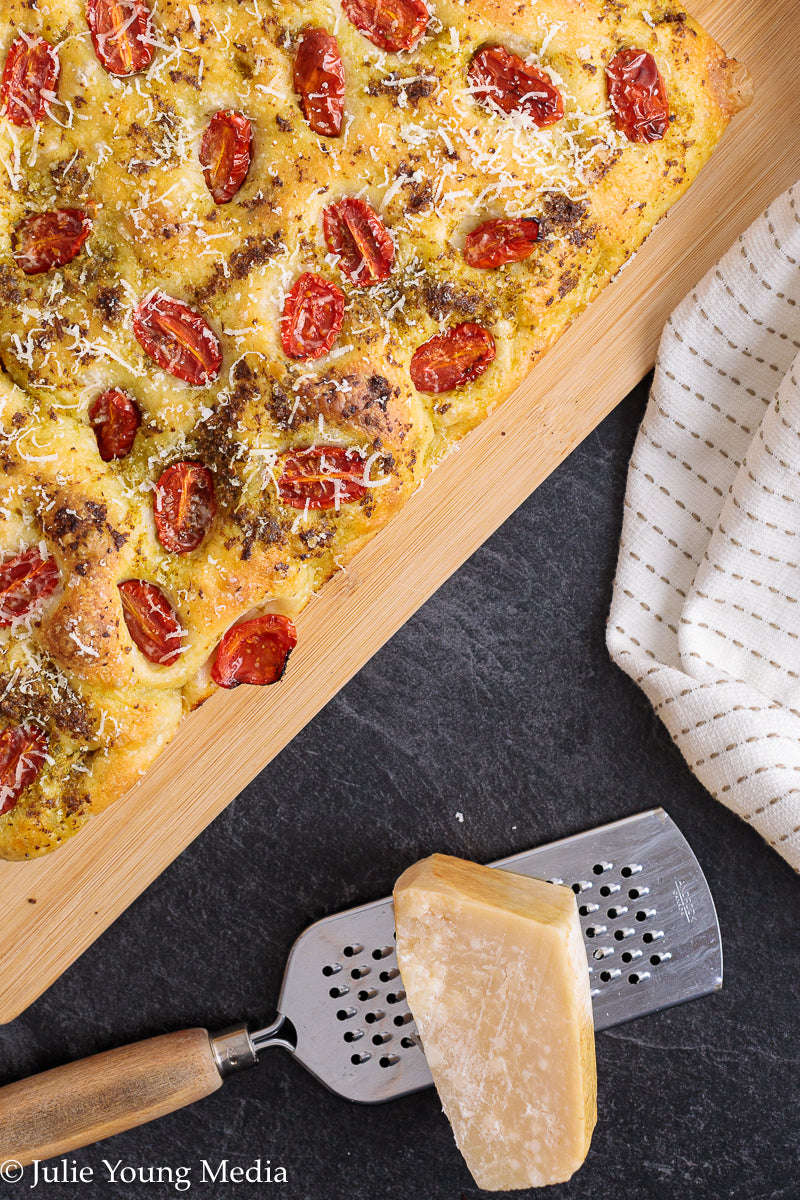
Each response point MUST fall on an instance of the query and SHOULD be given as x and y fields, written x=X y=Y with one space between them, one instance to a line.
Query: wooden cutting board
x=54 y=907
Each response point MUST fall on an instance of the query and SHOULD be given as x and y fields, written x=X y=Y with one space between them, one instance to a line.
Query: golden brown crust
x=732 y=82
x=433 y=161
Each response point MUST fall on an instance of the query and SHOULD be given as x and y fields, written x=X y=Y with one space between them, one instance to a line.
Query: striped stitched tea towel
x=705 y=615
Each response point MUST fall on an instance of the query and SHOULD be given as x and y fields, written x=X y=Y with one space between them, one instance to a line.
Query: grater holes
x=360 y=972
x=403 y=1019
x=389 y=1060
x=608 y=975
x=407 y=1043
x=344 y=1014
x=331 y=969
x=380 y=1039
x=352 y=951
x=608 y=889
x=618 y=959
x=336 y=992
x=388 y=976
x=395 y=997
x=353 y=1035
x=367 y=994
x=357 y=1059
x=383 y=952
x=372 y=1017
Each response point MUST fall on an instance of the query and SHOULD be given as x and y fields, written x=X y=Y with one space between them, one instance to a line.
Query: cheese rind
x=494 y=968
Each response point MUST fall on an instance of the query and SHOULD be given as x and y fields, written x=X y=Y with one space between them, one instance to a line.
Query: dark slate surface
x=497 y=700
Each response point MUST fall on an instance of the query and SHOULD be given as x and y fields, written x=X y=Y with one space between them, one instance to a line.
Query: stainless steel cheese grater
x=652 y=940
x=649 y=924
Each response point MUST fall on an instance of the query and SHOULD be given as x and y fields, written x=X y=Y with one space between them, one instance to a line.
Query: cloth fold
x=705 y=615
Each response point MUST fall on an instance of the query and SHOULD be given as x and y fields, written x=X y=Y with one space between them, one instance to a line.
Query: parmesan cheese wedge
x=494 y=969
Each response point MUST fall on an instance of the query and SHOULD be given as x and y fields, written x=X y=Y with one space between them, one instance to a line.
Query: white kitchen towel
x=705 y=615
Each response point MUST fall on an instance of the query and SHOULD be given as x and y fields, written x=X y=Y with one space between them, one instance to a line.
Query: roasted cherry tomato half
x=312 y=317
x=114 y=417
x=321 y=477
x=23 y=751
x=50 y=239
x=122 y=34
x=178 y=339
x=503 y=240
x=389 y=24
x=364 y=245
x=255 y=651
x=225 y=154
x=29 y=79
x=25 y=579
x=184 y=506
x=505 y=80
x=152 y=621
x=449 y=359
x=319 y=81
x=638 y=95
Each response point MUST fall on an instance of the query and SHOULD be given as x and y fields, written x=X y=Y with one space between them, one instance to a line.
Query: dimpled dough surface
x=494 y=969
x=433 y=161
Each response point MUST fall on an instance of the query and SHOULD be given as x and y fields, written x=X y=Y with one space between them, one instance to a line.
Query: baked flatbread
x=261 y=265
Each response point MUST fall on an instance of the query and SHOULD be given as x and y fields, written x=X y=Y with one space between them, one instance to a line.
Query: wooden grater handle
x=81 y=1102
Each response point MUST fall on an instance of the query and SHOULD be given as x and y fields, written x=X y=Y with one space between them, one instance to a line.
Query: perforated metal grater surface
x=651 y=933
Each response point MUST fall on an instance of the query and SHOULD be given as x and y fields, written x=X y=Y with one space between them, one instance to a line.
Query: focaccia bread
x=262 y=264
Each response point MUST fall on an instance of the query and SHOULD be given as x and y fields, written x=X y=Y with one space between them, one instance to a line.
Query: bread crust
x=432 y=161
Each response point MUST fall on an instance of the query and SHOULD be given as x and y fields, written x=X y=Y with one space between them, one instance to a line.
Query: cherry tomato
x=449 y=359
x=122 y=34
x=255 y=651
x=321 y=477
x=25 y=579
x=151 y=620
x=184 y=506
x=356 y=233
x=23 y=751
x=50 y=239
x=177 y=338
x=638 y=95
x=312 y=317
x=319 y=81
x=29 y=79
x=506 y=81
x=225 y=154
x=114 y=417
x=389 y=24
x=504 y=240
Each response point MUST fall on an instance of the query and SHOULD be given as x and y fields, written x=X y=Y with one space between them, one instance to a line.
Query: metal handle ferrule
x=233 y=1050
